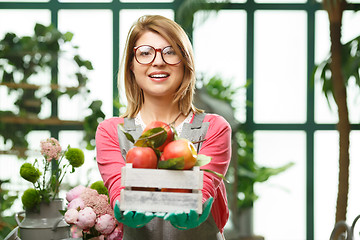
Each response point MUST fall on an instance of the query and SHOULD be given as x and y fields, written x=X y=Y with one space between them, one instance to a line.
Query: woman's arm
x=218 y=146
x=109 y=158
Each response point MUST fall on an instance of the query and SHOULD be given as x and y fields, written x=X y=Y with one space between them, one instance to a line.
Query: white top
x=139 y=121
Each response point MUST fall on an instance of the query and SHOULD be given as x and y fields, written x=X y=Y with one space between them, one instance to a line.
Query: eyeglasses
x=146 y=54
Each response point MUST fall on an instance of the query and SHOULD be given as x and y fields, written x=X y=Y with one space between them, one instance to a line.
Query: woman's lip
x=159 y=79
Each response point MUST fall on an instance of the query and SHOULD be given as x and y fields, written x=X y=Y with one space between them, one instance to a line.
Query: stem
x=201 y=140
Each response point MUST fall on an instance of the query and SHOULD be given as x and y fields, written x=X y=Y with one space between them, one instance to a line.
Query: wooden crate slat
x=160 y=201
x=161 y=178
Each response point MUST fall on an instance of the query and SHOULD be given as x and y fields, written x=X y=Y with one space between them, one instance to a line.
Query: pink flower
x=51 y=149
x=74 y=193
x=86 y=218
x=116 y=234
x=105 y=224
x=98 y=202
x=71 y=216
x=76 y=203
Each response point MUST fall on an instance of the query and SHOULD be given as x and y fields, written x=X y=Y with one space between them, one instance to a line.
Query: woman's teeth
x=159 y=75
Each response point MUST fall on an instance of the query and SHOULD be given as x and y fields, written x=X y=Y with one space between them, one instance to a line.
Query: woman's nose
x=158 y=59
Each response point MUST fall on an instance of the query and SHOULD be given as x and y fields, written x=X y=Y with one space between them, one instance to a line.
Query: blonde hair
x=176 y=36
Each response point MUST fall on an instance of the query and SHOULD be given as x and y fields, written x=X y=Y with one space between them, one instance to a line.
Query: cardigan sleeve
x=109 y=158
x=217 y=146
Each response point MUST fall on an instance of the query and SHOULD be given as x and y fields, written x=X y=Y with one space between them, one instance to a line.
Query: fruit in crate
x=157 y=126
x=181 y=151
x=142 y=157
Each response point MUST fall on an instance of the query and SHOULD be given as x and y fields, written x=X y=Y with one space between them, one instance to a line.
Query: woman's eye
x=145 y=53
x=170 y=52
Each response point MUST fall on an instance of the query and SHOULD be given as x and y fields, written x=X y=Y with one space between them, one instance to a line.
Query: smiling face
x=157 y=79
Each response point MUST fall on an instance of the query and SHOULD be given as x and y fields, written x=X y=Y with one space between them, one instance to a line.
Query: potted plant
x=41 y=202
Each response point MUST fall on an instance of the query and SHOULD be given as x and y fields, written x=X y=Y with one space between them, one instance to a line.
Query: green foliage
x=24 y=60
x=7 y=223
x=187 y=9
x=248 y=172
x=91 y=122
x=172 y=163
x=100 y=187
x=75 y=156
x=153 y=138
x=350 y=68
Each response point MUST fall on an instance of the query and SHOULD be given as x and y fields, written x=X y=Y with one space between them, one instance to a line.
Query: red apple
x=166 y=127
x=142 y=157
x=180 y=148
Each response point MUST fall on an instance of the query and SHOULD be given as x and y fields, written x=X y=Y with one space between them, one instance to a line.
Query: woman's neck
x=164 y=111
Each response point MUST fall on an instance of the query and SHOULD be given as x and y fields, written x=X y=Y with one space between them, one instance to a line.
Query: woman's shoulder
x=215 y=118
x=216 y=121
x=111 y=122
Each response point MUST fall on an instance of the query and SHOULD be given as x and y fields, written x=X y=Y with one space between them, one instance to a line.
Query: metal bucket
x=48 y=223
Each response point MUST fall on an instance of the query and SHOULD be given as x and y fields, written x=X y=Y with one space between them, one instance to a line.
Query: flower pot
x=48 y=223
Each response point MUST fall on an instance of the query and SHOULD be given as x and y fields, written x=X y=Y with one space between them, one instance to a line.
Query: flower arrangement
x=46 y=184
x=89 y=210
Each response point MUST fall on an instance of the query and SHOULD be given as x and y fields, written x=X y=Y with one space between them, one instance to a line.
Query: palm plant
x=335 y=71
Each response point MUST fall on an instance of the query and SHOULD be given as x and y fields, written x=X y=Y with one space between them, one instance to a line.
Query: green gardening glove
x=134 y=219
x=184 y=221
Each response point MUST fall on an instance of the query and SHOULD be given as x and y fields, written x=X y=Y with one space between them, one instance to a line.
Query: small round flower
x=29 y=172
x=75 y=156
x=30 y=198
x=71 y=216
x=100 y=187
x=51 y=149
x=105 y=224
x=76 y=203
x=116 y=234
x=74 y=193
x=86 y=218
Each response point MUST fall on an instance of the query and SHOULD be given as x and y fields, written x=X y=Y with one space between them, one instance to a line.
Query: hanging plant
x=28 y=70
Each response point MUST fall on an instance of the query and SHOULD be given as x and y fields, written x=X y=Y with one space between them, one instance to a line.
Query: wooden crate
x=157 y=201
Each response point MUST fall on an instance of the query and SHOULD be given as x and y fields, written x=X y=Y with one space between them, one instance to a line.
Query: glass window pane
x=281 y=208
x=22 y=22
x=326 y=180
x=280 y=67
x=93 y=35
x=222 y=54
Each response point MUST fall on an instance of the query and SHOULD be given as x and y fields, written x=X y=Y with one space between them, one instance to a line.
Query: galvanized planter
x=48 y=223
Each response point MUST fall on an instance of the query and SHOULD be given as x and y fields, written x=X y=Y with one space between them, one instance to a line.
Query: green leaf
x=172 y=163
x=265 y=173
x=217 y=174
x=68 y=36
x=127 y=135
x=154 y=138
x=202 y=160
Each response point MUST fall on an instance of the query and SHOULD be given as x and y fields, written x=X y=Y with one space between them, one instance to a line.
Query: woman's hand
x=134 y=219
x=184 y=221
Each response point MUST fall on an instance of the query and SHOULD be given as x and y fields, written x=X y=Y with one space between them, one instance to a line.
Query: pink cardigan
x=217 y=146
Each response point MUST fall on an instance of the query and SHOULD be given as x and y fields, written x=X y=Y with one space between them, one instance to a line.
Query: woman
x=159 y=80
